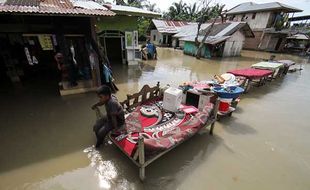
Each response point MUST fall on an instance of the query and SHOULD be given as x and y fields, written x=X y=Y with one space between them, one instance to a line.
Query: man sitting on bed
x=114 y=114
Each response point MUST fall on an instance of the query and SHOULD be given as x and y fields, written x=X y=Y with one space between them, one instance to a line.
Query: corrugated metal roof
x=254 y=7
x=167 y=26
x=220 y=32
x=189 y=30
x=63 y=7
x=23 y=2
x=88 y=5
x=298 y=18
x=299 y=37
x=128 y=9
x=228 y=28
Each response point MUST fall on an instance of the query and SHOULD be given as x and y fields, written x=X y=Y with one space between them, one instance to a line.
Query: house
x=224 y=40
x=297 y=43
x=161 y=31
x=32 y=32
x=266 y=20
x=186 y=30
x=118 y=35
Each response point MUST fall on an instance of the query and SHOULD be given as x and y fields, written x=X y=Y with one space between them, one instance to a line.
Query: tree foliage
x=132 y=3
x=200 y=11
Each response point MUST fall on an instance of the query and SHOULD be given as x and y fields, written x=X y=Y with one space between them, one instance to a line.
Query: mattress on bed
x=267 y=65
x=287 y=63
x=161 y=129
x=251 y=73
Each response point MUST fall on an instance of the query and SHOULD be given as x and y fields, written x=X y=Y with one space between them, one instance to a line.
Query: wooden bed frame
x=147 y=93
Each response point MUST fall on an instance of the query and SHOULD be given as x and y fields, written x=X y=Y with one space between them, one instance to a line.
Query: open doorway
x=114 y=50
x=278 y=44
x=113 y=44
x=169 y=40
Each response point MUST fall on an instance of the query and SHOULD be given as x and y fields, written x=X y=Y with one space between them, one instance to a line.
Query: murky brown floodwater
x=46 y=139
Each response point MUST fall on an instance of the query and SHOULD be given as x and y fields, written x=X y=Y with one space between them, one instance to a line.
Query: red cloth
x=166 y=134
x=251 y=73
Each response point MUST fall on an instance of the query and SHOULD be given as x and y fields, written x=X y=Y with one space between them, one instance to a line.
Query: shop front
x=52 y=51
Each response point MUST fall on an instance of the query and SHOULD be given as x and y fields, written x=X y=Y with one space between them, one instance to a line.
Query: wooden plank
x=141 y=157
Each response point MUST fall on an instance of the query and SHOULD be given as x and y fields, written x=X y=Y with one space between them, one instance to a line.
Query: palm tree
x=151 y=7
x=133 y=3
x=177 y=11
x=192 y=11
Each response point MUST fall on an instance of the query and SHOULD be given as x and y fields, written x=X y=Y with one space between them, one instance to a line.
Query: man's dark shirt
x=114 y=108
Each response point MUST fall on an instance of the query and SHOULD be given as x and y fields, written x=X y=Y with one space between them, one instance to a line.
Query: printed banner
x=45 y=42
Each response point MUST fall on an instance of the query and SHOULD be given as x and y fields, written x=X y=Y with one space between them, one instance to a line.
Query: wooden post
x=247 y=85
x=141 y=157
x=96 y=68
x=215 y=110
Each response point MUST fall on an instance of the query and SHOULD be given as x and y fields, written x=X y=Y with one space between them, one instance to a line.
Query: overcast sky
x=301 y=4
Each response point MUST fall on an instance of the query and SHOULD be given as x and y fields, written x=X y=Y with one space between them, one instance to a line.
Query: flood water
x=46 y=140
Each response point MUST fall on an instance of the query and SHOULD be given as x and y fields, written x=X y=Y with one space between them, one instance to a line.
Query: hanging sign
x=45 y=42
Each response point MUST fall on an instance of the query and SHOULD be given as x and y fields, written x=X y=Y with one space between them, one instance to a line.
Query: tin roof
x=47 y=7
x=120 y=9
x=169 y=26
x=254 y=7
x=190 y=29
x=228 y=28
x=221 y=32
x=299 y=37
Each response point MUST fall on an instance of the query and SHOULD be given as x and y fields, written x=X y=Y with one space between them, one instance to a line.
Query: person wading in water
x=114 y=118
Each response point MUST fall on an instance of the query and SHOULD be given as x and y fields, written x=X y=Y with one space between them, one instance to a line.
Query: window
x=232 y=18
x=243 y=17
x=254 y=15
x=154 y=37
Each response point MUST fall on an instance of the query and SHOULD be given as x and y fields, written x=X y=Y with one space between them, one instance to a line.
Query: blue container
x=228 y=93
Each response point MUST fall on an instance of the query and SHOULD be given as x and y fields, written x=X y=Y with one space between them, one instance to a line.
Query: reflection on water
x=264 y=145
x=105 y=170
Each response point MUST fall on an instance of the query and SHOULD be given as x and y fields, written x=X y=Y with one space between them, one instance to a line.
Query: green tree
x=192 y=12
x=132 y=3
x=143 y=24
x=177 y=11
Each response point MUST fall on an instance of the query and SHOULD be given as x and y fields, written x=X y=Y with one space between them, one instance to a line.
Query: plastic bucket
x=224 y=105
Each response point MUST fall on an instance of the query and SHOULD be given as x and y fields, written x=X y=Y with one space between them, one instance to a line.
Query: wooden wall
x=252 y=43
x=234 y=44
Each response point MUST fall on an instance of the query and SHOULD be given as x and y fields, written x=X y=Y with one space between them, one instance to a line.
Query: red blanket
x=161 y=129
x=251 y=73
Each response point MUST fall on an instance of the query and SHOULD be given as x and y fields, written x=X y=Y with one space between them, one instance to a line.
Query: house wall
x=234 y=44
x=259 y=22
x=121 y=23
x=265 y=41
x=174 y=43
x=158 y=37
x=271 y=41
x=164 y=40
x=181 y=44
x=190 y=49
x=253 y=43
